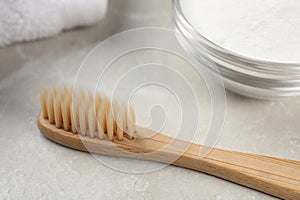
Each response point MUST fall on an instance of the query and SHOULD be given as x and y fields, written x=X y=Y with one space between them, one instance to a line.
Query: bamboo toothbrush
x=89 y=123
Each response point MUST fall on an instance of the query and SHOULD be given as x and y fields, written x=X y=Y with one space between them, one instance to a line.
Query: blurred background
x=34 y=168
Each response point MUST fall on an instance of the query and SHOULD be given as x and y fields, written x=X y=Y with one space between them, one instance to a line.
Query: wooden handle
x=274 y=176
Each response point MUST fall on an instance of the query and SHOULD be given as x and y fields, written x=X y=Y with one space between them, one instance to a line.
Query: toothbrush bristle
x=86 y=114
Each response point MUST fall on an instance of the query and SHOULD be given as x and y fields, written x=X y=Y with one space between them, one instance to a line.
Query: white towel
x=24 y=20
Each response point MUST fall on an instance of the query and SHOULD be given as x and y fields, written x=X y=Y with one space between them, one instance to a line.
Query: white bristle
x=50 y=109
x=119 y=121
x=91 y=120
x=89 y=115
x=110 y=124
x=101 y=118
x=124 y=117
x=65 y=110
x=72 y=114
x=130 y=117
x=132 y=114
x=77 y=101
x=83 y=118
x=97 y=101
x=57 y=111
x=43 y=100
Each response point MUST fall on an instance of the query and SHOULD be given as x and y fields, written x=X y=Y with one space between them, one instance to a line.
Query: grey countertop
x=32 y=167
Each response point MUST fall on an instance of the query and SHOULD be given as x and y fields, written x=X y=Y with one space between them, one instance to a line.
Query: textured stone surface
x=32 y=167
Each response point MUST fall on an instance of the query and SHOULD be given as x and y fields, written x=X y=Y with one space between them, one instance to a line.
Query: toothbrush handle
x=274 y=176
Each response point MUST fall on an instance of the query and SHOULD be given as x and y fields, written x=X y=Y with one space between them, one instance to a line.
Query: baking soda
x=261 y=29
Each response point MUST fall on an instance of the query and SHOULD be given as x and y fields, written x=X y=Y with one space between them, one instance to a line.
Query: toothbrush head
x=87 y=114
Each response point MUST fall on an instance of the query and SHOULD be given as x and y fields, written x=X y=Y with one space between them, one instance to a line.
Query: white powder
x=261 y=29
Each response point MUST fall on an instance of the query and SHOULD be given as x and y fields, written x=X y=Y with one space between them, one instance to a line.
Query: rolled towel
x=25 y=20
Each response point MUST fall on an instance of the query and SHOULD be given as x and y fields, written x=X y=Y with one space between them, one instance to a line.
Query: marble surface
x=32 y=167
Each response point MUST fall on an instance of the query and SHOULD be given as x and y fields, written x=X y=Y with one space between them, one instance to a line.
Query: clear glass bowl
x=244 y=75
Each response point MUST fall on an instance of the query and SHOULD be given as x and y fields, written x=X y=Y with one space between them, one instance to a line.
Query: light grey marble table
x=32 y=167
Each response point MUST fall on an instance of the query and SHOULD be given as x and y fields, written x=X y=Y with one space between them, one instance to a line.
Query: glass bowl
x=244 y=75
